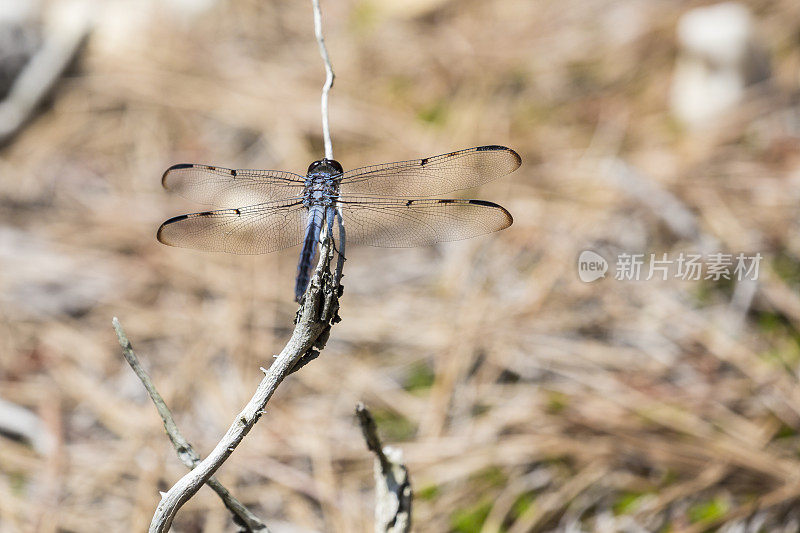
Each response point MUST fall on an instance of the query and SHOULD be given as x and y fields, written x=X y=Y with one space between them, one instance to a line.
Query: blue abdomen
x=313 y=229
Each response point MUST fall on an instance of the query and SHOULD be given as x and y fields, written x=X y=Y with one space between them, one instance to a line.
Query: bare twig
x=312 y=327
x=326 y=128
x=242 y=515
x=393 y=495
x=329 y=77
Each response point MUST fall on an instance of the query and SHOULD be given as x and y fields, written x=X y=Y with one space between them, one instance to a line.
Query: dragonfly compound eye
x=325 y=164
x=315 y=165
x=335 y=165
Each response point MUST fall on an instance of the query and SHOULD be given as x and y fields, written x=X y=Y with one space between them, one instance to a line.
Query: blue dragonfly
x=381 y=205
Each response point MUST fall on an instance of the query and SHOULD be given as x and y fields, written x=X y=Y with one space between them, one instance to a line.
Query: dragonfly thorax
x=322 y=183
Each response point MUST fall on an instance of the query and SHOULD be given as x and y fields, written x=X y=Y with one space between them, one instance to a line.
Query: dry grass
x=524 y=399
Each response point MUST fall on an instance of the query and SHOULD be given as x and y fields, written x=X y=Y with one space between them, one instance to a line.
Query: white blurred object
x=67 y=18
x=20 y=36
x=192 y=7
x=19 y=11
x=20 y=423
x=66 y=27
x=719 y=58
x=122 y=26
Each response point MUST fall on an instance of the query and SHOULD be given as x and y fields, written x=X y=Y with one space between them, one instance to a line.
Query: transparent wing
x=432 y=176
x=225 y=187
x=257 y=229
x=397 y=223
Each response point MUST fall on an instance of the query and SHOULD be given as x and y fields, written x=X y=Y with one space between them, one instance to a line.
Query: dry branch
x=318 y=310
x=242 y=515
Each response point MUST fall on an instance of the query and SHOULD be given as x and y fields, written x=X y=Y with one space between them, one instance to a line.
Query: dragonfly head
x=323 y=165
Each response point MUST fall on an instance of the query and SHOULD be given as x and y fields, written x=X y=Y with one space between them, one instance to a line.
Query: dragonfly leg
x=337 y=278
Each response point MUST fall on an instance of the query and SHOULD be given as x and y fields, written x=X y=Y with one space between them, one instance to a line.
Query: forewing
x=256 y=229
x=225 y=187
x=396 y=223
x=432 y=176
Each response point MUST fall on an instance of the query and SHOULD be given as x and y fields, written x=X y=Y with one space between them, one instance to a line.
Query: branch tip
x=393 y=495
x=329 y=77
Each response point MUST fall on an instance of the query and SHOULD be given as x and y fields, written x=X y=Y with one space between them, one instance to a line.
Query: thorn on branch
x=307 y=358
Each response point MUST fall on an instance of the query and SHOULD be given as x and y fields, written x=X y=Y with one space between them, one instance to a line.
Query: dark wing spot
x=498 y=148
x=209 y=167
x=175 y=219
x=493 y=205
x=408 y=203
x=483 y=203
x=233 y=173
x=446 y=201
x=238 y=212
x=174 y=167
x=423 y=162
x=167 y=223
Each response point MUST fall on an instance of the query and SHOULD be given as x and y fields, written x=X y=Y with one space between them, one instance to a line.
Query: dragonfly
x=387 y=205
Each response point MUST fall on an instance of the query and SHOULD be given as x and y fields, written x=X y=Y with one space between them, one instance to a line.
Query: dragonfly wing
x=432 y=176
x=398 y=223
x=257 y=229
x=225 y=187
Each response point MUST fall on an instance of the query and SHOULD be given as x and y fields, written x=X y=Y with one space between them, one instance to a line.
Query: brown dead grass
x=524 y=400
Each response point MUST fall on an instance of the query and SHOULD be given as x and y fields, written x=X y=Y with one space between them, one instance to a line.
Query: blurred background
x=522 y=398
